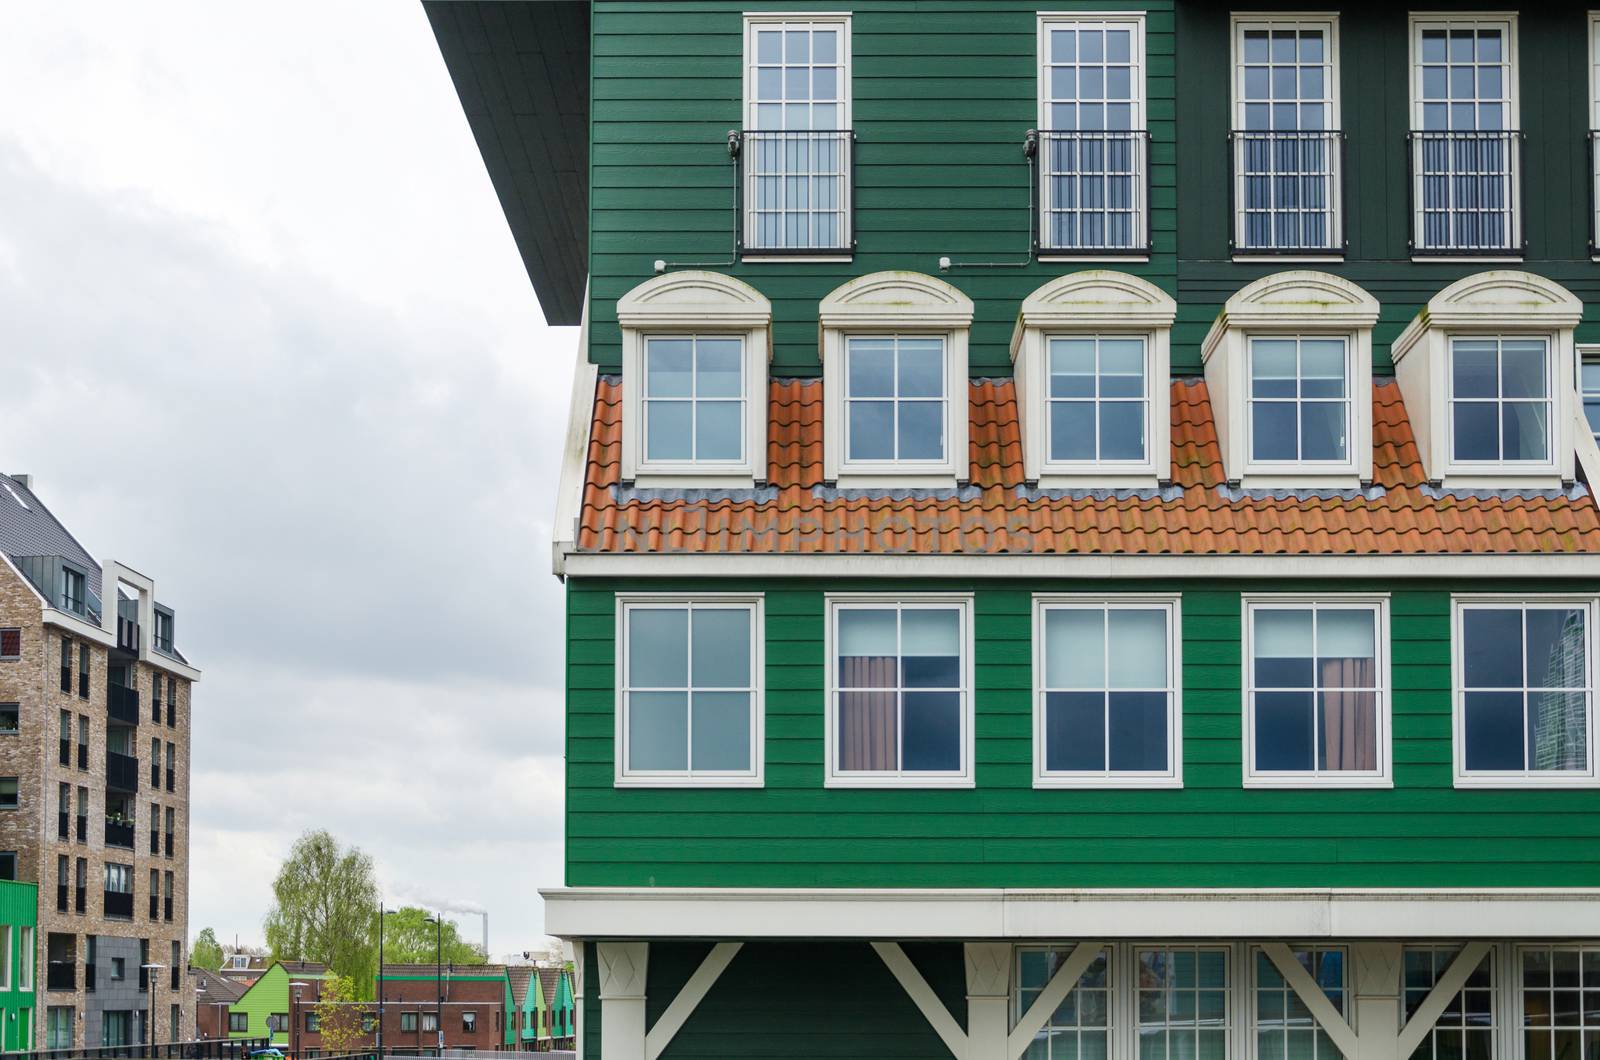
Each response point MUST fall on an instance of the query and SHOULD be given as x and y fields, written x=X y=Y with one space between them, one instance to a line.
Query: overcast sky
x=266 y=338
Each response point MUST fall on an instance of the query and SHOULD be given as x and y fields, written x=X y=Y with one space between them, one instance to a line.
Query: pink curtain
x=868 y=736
x=1350 y=721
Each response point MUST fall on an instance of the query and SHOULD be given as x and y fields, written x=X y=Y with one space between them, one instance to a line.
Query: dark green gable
x=944 y=95
x=1004 y=833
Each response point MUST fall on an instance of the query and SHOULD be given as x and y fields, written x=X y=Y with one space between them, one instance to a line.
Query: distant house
x=558 y=1019
x=215 y=995
x=268 y=1005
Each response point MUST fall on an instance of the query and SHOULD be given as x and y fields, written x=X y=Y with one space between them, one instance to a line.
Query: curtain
x=868 y=718
x=1350 y=715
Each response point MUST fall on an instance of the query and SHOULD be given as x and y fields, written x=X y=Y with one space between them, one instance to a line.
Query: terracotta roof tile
x=998 y=512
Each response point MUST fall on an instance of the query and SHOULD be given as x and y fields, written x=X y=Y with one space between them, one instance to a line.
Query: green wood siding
x=794 y=999
x=19 y=904
x=1003 y=833
x=1553 y=84
x=944 y=93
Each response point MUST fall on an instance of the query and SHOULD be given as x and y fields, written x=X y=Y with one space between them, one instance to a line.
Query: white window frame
x=1505 y=992
x=834 y=777
x=1328 y=23
x=1417 y=21
x=1116 y=1009
x=1235 y=993
x=624 y=777
x=1525 y=778
x=948 y=382
x=707 y=465
x=1289 y=468
x=6 y=938
x=1586 y=355
x=875 y=306
x=1516 y=1020
x=769 y=19
x=1140 y=124
x=1252 y=983
x=1291 y=304
x=1378 y=604
x=681 y=305
x=1172 y=777
x=25 y=958
x=1552 y=400
x=1107 y=304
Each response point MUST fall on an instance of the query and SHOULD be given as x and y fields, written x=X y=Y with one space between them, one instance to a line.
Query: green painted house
x=1078 y=522
x=272 y=1002
x=19 y=905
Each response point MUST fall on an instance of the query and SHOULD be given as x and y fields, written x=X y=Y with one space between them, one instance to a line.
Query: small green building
x=19 y=904
x=267 y=1007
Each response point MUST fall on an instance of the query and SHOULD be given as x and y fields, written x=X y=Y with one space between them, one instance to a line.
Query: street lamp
x=150 y=971
x=295 y=1017
x=437 y=920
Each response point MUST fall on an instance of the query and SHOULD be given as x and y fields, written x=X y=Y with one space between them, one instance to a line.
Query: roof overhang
x=521 y=69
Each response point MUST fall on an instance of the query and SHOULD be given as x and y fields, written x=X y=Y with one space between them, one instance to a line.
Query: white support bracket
x=922 y=995
x=1433 y=1006
x=689 y=997
x=1055 y=992
x=1314 y=998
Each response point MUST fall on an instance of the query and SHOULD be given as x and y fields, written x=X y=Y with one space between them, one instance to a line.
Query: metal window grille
x=1094 y=191
x=1288 y=191
x=795 y=190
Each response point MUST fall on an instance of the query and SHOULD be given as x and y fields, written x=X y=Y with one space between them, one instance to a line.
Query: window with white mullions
x=1526 y=692
x=1107 y=689
x=1315 y=692
x=694 y=399
x=900 y=695
x=895 y=401
x=1589 y=384
x=1183 y=1009
x=1465 y=143
x=1466 y=1029
x=1092 y=153
x=1286 y=143
x=1299 y=400
x=1500 y=399
x=690 y=686
x=1098 y=399
x=795 y=151
x=1284 y=1026
x=1080 y=1027
x=1560 y=1003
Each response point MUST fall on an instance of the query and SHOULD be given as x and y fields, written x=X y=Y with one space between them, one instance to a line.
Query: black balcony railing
x=795 y=190
x=155 y=907
x=83 y=756
x=173 y=974
x=1466 y=192
x=80 y=901
x=155 y=842
x=172 y=779
x=83 y=829
x=66 y=752
x=88 y=977
x=1093 y=192
x=63 y=827
x=62 y=897
x=122 y=704
x=144 y=979
x=119 y=834
x=1287 y=192
x=61 y=975
x=127 y=635
x=169 y=844
x=122 y=771
x=223 y=1049
x=119 y=903
x=166 y=913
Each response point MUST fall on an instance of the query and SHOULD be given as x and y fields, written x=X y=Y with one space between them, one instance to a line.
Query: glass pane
x=1284 y=734
x=658 y=730
x=1137 y=648
x=1074 y=737
x=667 y=430
x=1322 y=368
x=1474 y=370
x=930 y=631
x=721 y=732
x=1272 y=368
x=1072 y=368
x=1346 y=633
x=1557 y=731
x=871 y=368
x=825 y=46
x=1273 y=435
x=1122 y=368
x=932 y=731
x=921 y=368
x=667 y=367
x=1525 y=430
x=719 y=367
x=1322 y=430
x=867 y=631
x=1493 y=730
x=871 y=430
x=1492 y=647
x=1348 y=722
x=658 y=647
x=920 y=431
x=1138 y=722
x=1476 y=431
x=868 y=730
x=1074 y=648
x=1282 y=647
x=721 y=648
x=1072 y=430
x=719 y=430
x=1556 y=648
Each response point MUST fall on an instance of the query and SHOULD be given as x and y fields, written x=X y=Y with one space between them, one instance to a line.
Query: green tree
x=339 y=1016
x=408 y=938
x=325 y=908
x=207 y=951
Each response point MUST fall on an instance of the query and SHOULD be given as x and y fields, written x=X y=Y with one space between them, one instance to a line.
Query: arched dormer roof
x=1095 y=299
x=694 y=299
x=1499 y=298
x=894 y=299
x=1297 y=298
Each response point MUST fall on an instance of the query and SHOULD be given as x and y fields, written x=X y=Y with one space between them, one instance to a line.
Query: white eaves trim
x=1313 y=913
x=1081 y=565
x=575 y=450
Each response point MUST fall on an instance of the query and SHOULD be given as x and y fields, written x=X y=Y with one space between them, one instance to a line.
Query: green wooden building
x=19 y=910
x=1078 y=521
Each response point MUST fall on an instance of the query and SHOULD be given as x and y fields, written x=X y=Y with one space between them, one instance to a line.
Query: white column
x=1377 y=967
x=622 y=981
x=988 y=999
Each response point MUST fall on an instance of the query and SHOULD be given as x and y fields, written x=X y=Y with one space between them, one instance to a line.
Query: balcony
x=1094 y=192
x=795 y=191
x=122 y=704
x=122 y=771
x=1466 y=192
x=119 y=903
x=119 y=834
x=127 y=635
x=61 y=975
x=1287 y=192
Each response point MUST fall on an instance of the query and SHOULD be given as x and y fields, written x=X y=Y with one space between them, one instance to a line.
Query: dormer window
x=694 y=366
x=1289 y=371
x=1489 y=377
x=1091 y=351
x=894 y=357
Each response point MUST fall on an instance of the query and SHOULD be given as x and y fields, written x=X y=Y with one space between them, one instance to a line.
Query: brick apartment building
x=94 y=782
x=469 y=1002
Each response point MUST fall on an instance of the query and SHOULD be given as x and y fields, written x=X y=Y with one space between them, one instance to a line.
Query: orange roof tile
x=999 y=513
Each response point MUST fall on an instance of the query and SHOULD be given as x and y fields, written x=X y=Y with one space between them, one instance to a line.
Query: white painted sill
x=1055 y=782
x=899 y=782
x=1293 y=781
x=688 y=782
